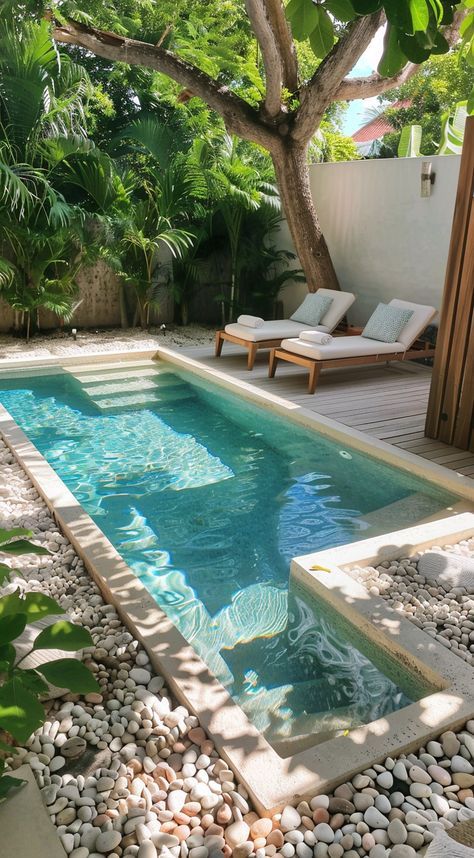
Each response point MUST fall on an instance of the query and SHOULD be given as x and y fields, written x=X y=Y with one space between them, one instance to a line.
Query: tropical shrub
x=21 y=689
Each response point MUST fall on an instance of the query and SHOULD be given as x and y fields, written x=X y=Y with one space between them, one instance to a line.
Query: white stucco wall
x=385 y=239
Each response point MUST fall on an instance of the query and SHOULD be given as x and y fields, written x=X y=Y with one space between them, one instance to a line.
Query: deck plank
x=386 y=401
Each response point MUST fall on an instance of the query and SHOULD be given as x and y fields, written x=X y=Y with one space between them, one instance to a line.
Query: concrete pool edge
x=271 y=780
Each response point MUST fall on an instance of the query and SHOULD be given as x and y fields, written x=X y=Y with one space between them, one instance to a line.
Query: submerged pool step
x=106 y=387
x=126 y=401
x=116 y=387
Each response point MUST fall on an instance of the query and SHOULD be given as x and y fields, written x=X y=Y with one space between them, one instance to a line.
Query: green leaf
x=412 y=49
x=20 y=712
x=7 y=657
x=343 y=10
x=5 y=572
x=23 y=546
x=441 y=46
x=8 y=784
x=420 y=15
x=63 y=635
x=393 y=59
x=399 y=15
x=303 y=17
x=6 y=535
x=438 y=10
x=322 y=37
x=11 y=627
x=470 y=103
x=31 y=680
x=467 y=27
x=366 y=7
x=34 y=605
x=69 y=673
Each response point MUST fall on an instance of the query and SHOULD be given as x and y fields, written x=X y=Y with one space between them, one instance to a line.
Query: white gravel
x=103 y=340
x=128 y=772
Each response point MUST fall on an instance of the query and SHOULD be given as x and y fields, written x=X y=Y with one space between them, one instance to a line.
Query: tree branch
x=321 y=90
x=366 y=87
x=284 y=40
x=239 y=117
x=257 y=12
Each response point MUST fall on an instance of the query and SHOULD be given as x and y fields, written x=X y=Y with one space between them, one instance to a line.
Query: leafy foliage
x=21 y=712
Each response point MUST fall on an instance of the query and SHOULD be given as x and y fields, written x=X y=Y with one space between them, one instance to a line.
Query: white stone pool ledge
x=272 y=781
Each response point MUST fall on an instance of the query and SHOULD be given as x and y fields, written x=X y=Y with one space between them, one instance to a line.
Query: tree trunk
x=292 y=172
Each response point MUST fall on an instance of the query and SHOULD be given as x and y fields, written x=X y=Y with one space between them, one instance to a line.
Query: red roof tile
x=378 y=126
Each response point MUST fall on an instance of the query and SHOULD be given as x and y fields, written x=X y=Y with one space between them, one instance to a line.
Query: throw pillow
x=386 y=323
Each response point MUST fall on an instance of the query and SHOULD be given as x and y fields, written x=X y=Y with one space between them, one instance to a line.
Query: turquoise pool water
x=208 y=498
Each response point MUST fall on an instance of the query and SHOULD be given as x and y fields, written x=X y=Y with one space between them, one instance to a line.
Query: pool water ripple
x=208 y=499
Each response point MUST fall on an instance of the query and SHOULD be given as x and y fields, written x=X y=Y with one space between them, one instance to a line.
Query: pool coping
x=271 y=780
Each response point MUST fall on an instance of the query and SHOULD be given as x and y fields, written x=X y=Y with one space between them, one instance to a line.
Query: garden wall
x=99 y=303
x=385 y=239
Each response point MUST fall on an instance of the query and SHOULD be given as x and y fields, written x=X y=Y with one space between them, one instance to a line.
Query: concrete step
x=128 y=367
x=123 y=402
x=87 y=378
x=107 y=387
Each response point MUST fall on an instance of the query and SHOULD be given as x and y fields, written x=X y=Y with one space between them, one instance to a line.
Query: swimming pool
x=207 y=498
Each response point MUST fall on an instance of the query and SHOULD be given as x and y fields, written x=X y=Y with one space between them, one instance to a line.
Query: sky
x=354 y=116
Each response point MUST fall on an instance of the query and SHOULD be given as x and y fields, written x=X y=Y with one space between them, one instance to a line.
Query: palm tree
x=52 y=179
x=242 y=191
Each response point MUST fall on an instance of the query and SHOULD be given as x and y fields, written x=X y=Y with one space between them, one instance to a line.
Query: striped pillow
x=386 y=323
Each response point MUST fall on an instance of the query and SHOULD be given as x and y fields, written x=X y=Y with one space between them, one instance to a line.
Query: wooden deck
x=388 y=401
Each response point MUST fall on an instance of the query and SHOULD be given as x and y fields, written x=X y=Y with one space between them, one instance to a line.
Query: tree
x=286 y=114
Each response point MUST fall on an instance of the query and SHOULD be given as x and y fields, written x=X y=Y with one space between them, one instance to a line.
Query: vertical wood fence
x=451 y=403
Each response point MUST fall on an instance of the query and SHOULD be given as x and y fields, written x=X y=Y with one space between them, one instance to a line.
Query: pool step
x=117 y=387
x=125 y=401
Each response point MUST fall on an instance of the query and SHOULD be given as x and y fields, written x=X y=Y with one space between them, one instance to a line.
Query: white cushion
x=341 y=347
x=422 y=316
x=274 y=330
x=341 y=301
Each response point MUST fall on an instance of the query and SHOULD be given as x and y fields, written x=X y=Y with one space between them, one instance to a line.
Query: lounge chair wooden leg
x=313 y=376
x=272 y=363
x=219 y=343
x=253 y=348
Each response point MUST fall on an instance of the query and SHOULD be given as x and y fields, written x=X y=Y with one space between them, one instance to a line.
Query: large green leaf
x=11 y=627
x=322 y=36
x=410 y=141
x=23 y=546
x=6 y=535
x=7 y=657
x=412 y=49
x=20 y=712
x=69 y=673
x=343 y=10
x=393 y=59
x=8 y=784
x=63 y=635
x=31 y=680
x=6 y=571
x=303 y=17
x=366 y=7
x=34 y=605
x=420 y=15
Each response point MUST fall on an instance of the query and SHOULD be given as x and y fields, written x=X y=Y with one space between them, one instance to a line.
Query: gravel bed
x=110 y=340
x=128 y=772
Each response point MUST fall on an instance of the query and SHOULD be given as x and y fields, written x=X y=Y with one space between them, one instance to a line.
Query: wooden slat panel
x=456 y=315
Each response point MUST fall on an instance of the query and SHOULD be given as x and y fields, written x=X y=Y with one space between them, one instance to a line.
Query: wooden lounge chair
x=357 y=350
x=272 y=333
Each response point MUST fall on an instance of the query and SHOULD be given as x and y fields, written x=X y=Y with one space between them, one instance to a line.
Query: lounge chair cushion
x=313 y=308
x=386 y=323
x=422 y=316
x=274 y=330
x=341 y=347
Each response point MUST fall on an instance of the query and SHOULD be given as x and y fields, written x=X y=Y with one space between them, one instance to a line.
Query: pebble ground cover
x=128 y=772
